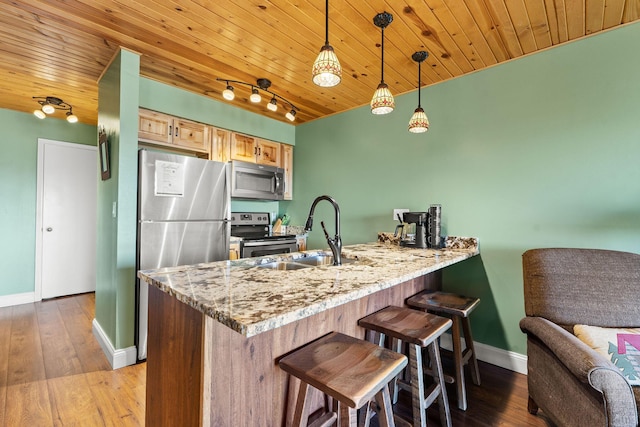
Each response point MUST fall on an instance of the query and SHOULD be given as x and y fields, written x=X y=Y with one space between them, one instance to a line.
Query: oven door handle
x=271 y=242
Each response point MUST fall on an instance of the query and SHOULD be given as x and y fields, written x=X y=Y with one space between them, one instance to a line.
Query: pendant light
x=326 y=71
x=382 y=101
x=419 y=122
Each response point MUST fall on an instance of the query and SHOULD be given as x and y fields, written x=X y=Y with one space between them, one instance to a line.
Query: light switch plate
x=399 y=211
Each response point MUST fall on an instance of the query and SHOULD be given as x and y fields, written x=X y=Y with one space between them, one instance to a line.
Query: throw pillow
x=620 y=345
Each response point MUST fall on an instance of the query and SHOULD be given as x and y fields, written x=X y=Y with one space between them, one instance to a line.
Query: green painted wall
x=116 y=247
x=538 y=152
x=168 y=99
x=18 y=173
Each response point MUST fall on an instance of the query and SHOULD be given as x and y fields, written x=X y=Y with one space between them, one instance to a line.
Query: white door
x=66 y=225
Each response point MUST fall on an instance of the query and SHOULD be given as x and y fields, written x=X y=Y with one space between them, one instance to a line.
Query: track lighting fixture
x=326 y=71
x=49 y=104
x=419 y=122
x=261 y=85
x=382 y=101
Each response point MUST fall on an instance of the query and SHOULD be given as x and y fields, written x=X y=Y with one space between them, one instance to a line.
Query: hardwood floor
x=53 y=373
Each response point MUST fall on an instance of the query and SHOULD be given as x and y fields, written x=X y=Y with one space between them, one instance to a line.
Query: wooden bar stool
x=458 y=308
x=350 y=370
x=420 y=330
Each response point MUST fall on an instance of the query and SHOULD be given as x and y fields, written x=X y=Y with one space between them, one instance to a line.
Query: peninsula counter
x=217 y=330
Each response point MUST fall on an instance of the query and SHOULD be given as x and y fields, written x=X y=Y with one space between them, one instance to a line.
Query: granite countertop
x=251 y=299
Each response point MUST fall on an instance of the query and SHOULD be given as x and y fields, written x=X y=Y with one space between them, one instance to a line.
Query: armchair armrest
x=588 y=366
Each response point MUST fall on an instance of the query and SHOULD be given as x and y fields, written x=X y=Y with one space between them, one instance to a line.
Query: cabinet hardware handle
x=170 y=130
x=176 y=131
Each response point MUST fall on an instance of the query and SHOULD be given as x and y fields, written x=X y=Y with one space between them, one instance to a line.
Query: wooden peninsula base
x=202 y=373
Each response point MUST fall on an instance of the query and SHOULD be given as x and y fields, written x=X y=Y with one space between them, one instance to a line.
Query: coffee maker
x=420 y=219
x=427 y=228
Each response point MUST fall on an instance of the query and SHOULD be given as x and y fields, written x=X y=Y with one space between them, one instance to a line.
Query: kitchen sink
x=322 y=260
x=283 y=265
x=305 y=262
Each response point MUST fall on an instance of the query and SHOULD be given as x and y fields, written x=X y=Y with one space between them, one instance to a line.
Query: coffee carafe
x=420 y=219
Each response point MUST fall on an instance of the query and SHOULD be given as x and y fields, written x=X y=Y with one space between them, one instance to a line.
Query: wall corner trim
x=118 y=358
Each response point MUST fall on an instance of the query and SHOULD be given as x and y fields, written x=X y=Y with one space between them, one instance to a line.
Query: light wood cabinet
x=287 y=165
x=163 y=129
x=220 y=145
x=255 y=150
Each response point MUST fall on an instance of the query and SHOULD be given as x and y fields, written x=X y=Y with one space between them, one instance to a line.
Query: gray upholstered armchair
x=573 y=384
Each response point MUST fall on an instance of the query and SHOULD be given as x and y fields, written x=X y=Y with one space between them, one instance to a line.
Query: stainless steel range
x=257 y=240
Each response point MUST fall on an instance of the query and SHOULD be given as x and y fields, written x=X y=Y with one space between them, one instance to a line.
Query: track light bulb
x=255 y=95
x=48 y=108
x=39 y=114
x=273 y=104
x=71 y=118
x=228 y=93
x=291 y=115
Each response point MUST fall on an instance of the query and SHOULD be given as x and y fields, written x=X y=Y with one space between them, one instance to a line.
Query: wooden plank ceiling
x=61 y=47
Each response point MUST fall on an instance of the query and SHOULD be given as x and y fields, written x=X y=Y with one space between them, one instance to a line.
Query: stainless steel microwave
x=254 y=181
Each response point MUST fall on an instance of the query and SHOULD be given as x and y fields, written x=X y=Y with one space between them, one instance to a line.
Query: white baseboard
x=17 y=299
x=496 y=356
x=117 y=358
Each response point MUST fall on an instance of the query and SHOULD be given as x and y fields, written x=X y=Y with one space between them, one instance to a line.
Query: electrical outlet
x=397 y=212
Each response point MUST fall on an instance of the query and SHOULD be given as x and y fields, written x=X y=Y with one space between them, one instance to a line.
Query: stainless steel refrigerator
x=183 y=218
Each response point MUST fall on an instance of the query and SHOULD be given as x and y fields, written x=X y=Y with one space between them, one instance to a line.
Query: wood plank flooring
x=53 y=373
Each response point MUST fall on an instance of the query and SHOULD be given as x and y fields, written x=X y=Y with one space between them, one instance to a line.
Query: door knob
x=49 y=229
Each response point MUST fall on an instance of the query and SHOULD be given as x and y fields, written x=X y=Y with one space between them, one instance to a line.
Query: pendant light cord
x=419 y=83
x=326 y=23
x=382 y=63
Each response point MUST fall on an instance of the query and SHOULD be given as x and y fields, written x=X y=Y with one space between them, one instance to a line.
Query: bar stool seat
x=419 y=330
x=350 y=370
x=457 y=307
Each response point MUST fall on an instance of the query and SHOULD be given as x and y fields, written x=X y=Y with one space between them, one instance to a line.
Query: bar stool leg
x=417 y=386
x=385 y=412
x=301 y=414
x=475 y=372
x=348 y=416
x=459 y=366
x=438 y=377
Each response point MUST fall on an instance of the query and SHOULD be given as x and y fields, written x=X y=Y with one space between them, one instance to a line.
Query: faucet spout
x=335 y=244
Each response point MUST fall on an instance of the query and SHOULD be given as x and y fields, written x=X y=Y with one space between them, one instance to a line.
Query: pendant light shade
x=326 y=70
x=382 y=101
x=419 y=122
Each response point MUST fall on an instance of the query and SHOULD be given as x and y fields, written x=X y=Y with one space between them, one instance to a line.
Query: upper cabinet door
x=191 y=135
x=154 y=127
x=220 y=141
x=287 y=165
x=243 y=148
x=268 y=153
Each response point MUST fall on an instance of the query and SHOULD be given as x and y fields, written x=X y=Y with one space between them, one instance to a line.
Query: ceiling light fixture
x=326 y=70
x=382 y=101
x=419 y=122
x=261 y=85
x=49 y=104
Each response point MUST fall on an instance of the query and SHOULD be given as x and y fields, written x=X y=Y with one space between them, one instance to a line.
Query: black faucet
x=335 y=244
